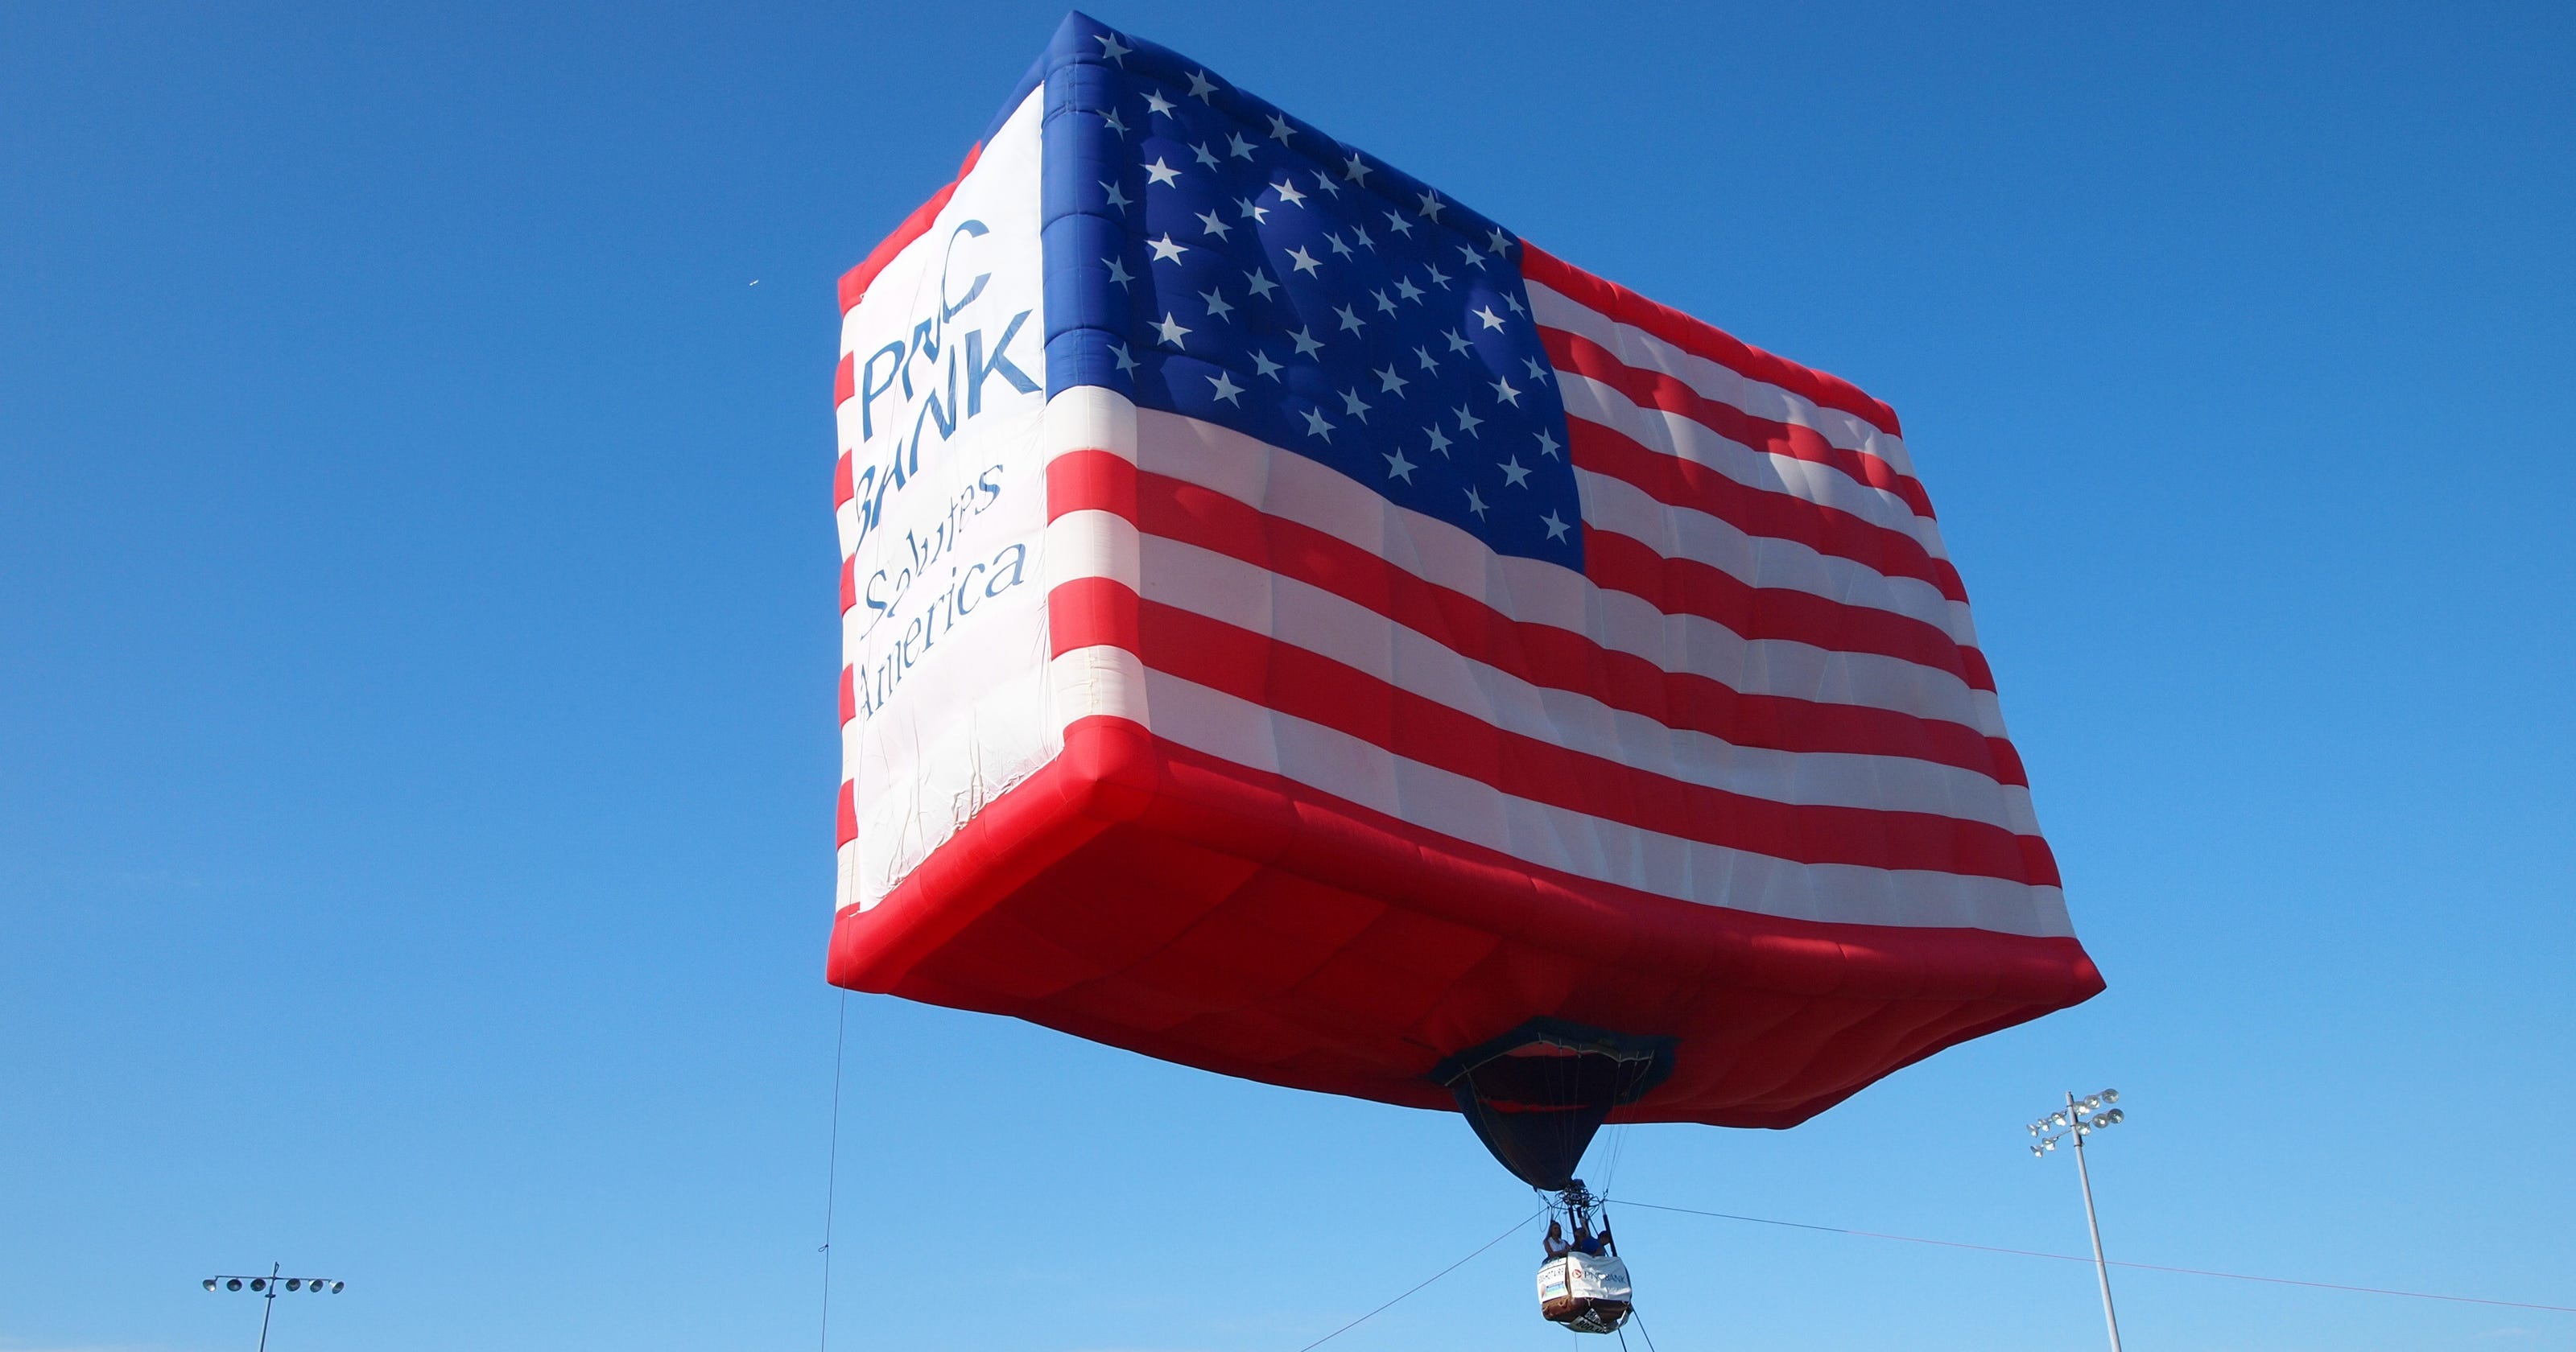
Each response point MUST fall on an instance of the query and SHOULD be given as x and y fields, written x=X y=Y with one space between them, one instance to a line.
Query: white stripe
x=1288 y=485
x=1612 y=503
x=1676 y=435
x=1635 y=347
x=1469 y=810
x=1237 y=593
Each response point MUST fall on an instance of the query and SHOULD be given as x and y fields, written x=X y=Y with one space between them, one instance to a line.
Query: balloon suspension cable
x=1580 y=1204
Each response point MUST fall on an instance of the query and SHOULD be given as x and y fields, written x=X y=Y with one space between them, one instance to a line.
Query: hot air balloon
x=1298 y=628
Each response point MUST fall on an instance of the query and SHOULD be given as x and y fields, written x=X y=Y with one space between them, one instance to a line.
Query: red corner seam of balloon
x=855 y=282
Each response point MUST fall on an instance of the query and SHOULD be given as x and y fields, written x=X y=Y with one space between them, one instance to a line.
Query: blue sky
x=417 y=652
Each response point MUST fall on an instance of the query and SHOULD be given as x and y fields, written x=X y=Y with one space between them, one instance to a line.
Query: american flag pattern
x=1536 y=607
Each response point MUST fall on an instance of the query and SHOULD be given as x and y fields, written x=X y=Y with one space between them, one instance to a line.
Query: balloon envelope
x=1297 y=628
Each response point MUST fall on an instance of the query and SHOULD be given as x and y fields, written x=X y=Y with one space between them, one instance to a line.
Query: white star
x=1397 y=467
x=1252 y=211
x=1263 y=366
x=1201 y=86
x=1204 y=155
x=1406 y=289
x=1334 y=242
x=1514 y=302
x=1431 y=206
x=1354 y=406
x=1288 y=193
x=1316 y=426
x=1304 y=338
x=1399 y=225
x=1156 y=103
x=1499 y=242
x=1327 y=186
x=1475 y=504
x=1209 y=224
x=1126 y=359
x=1456 y=343
x=1302 y=261
x=1547 y=444
x=1468 y=422
x=1439 y=439
x=1356 y=171
x=1117 y=195
x=1160 y=172
x=1486 y=313
x=1428 y=364
x=1513 y=475
x=1111 y=118
x=1280 y=130
x=1389 y=381
x=1360 y=233
x=1438 y=278
x=1216 y=304
x=1238 y=147
x=1226 y=389
x=1171 y=329
x=1503 y=390
x=1258 y=283
x=1468 y=252
x=1350 y=321
x=1555 y=528
x=1165 y=250
x=1384 y=304
x=1537 y=372
x=1118 y=271
x=1111 y=49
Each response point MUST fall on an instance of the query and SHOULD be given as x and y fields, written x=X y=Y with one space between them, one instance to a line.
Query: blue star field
x=1211 y=256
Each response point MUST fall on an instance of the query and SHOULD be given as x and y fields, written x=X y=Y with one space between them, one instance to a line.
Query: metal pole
x=2101 y=1268
x=271 y=1307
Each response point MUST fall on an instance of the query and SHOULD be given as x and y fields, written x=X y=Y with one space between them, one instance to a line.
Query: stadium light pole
x=267 y=1288
x=2078 y=1119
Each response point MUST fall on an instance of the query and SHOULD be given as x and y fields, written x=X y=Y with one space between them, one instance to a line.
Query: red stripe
x=849 y=815
x=855 y=282
x=1648 y=388
x=1310 y=686
x=1541 y=654
x=1702 y=339
x=1674 y=586
x=1676 y=482
x=1293 y=937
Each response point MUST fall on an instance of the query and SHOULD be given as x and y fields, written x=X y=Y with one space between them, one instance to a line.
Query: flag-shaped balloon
x=1298 y=628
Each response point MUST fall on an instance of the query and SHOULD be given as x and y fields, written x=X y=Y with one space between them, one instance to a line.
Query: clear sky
x=418 y=646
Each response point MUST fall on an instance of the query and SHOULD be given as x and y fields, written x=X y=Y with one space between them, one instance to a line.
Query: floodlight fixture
x=267 y=1288
x=2081 y=1117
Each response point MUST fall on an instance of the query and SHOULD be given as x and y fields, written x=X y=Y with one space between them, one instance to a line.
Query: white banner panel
x=946 y=638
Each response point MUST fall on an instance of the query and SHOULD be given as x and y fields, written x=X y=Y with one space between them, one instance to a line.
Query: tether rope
x=1453 y=1267
x=2114 y=1262
x=832 y=1172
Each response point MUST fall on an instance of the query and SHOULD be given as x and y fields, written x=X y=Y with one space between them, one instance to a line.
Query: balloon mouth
x=1536 y=1095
